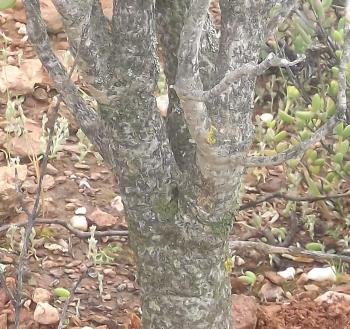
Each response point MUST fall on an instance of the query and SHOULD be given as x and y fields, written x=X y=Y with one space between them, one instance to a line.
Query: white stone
x=265 y=117
x=80 y=211
x=79 y=222
x=320 y=274
x=288 y=273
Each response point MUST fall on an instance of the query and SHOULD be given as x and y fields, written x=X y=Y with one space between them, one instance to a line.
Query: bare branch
x=187 y=76
x=289 y=197
x=63 y=222
x=190 y=40
x=196 y=115
x=96 y=51
x=295 y=151
x=247 y=70
x=290 y=251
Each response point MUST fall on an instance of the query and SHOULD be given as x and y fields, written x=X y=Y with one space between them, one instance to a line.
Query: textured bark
x=179 y=191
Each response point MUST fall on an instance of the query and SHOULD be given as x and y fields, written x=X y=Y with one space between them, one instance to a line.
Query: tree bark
x=179 y=190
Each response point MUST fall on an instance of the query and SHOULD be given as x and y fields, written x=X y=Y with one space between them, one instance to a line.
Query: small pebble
x=80 y=211
x=61 y=179
x=81 y=166
x=121 y=287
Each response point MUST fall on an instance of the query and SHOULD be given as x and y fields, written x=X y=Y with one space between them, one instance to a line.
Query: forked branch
x=247 y=70
x=86 y=116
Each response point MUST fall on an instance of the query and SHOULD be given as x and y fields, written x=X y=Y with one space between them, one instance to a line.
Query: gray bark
x=179 y=191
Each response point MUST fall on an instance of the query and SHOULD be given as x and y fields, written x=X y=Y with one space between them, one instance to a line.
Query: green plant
x=61 y=132
x=297 y=102
x=10 y=235
x=92 y=243
x=107 y=253
x=15 y=116
x=249 y=277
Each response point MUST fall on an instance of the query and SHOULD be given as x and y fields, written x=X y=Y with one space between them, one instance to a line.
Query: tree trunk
x=180 y=193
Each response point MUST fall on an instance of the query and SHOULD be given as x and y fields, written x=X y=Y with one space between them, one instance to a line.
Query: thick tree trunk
x=179 y=190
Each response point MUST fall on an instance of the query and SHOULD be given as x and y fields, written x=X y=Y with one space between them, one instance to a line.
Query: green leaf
x=292 y=92
x=316 y=103
x=6 y=4
x=313 y=187
x=346 y=131
x=347 y=167
x=285 y=117
x=330 y=107
x=250 y=274
x=280 y=136
x=314 y=246
x=338 y=158
x=282 y=146
x=339 y=129
x=247 y=279
x=305 y=134
x=319 y=162
x=299 y=44
x=311 y=154
x=330 y=176
x=61 y=292
x=338 y=36
x=343 y=147
x=305 y=35
x=315 y=169
x=304 y=115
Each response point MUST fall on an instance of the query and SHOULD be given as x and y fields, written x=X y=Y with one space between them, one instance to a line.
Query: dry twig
x=293 y=251
x=62 y=222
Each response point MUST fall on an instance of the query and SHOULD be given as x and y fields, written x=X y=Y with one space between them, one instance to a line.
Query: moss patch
x=166 y=209
x=223 y=226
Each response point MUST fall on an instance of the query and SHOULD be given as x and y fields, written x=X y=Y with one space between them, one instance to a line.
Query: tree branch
x=293 y=251
x=247 y=70
x=63 y=222
x=289 y=197
x=295 y=151
x=95 y=52
x=187 y=77
x=86 y=116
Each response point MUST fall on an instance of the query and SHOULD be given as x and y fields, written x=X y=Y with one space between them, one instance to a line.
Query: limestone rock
x=41 y=295
x=102 y=219
x=46 y=314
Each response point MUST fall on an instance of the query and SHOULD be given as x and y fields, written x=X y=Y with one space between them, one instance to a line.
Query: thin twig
x=70 y=298
x=34 y=213
x=285 y=196
x=62 y=222
x=19 y=194
x=293 y=251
